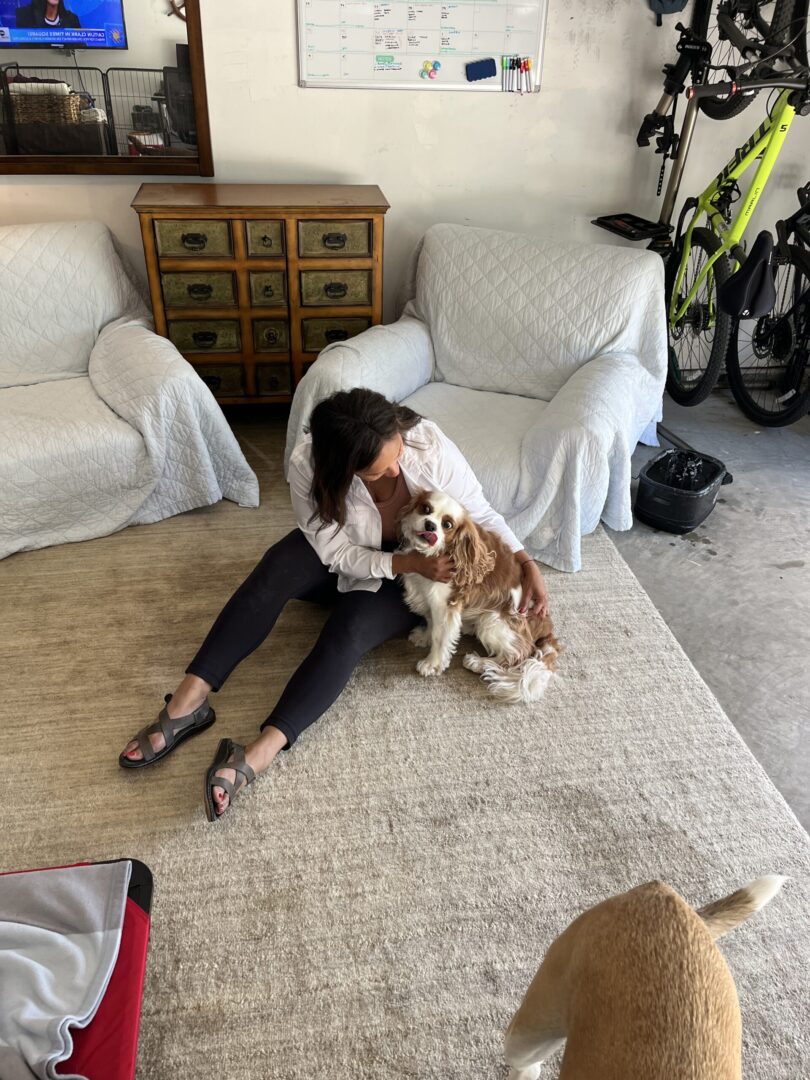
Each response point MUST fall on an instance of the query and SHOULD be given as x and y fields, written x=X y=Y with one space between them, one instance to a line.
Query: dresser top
x=254 y=196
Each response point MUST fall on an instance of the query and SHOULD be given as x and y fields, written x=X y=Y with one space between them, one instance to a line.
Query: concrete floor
x=736 y=591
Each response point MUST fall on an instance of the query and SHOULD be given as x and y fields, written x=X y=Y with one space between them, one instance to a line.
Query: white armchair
x=103 y=424
x=544 y=362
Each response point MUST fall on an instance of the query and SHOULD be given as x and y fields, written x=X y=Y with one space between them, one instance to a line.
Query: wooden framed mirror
x=125 y=95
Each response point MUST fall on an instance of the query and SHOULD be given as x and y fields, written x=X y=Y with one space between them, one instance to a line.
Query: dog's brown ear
x=472 y=557
x=409 y=507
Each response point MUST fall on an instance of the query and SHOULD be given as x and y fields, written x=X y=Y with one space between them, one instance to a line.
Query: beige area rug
x=376 y=905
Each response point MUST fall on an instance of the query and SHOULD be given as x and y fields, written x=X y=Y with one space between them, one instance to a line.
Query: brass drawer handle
x=336 y=290
x=200 y=291
x=213 y=382
x=194 y=241
x=334 y=241
x=271 y=335
x=268 y=292
x=336 y=334
x=266 y=241
x=206 y=339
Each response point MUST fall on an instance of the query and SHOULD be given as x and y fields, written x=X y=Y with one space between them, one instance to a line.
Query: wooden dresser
x=251 y=281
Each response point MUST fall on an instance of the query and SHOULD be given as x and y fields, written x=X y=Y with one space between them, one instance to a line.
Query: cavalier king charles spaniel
x=482 y=599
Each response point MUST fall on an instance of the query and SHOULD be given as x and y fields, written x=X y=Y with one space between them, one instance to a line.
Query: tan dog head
x=434 y=523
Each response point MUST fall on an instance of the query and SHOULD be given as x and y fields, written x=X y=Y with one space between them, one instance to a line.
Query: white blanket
x=60 y=931
x=103 y=424
x=544 y=363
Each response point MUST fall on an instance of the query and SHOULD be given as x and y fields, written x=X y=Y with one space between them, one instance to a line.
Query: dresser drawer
x=318 y=333
x=335 y=287
x=223 y=380
x=205 y=335
x=268 y=288
x=265 y=238
x=271 y=335
x=273 y=379
x=327 y=239
x=181 y=239
x=198 y=289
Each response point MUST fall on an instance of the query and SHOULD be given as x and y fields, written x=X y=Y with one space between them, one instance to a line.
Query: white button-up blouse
x=429 y=460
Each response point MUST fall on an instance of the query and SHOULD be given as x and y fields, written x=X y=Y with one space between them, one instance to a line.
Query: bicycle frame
x=765 y=143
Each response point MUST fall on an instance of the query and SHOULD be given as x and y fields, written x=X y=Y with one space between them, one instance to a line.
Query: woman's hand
x=433 y=567
x=534 y=601
x=436 y=568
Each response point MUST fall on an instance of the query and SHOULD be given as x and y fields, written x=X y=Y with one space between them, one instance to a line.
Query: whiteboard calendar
x=397 y=44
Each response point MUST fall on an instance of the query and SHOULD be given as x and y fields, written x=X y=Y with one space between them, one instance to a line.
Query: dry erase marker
x=529 y=75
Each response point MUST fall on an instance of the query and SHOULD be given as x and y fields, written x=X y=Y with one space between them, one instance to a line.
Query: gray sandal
x=225 y=750
x=174 y=731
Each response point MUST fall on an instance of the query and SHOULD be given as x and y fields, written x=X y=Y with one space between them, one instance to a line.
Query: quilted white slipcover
x=102 y=423
x=544 y=362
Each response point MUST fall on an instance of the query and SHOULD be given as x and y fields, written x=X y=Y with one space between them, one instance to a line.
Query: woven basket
x=46 y=108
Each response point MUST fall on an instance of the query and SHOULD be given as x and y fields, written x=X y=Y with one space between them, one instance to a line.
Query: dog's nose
x=430 y=527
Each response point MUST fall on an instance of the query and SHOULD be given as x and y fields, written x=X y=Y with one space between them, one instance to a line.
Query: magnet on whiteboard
x=433 y=74
x=437 y=66
x=428 y=64
x=423 y=74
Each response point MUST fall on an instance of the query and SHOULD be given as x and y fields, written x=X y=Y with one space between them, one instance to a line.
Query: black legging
x=360 y=620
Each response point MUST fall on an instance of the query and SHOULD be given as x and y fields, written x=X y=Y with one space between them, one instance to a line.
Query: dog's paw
x=474 y=662
x=427 y=667
x=420 y=637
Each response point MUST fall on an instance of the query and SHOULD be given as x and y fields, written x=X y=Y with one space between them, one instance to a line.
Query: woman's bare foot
x=188 y=696
x=258 y=755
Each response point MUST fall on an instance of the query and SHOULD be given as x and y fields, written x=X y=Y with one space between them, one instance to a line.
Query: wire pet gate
x=140 y=111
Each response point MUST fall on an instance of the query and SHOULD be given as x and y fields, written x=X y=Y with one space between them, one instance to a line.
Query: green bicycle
x=701 y=255
x=704 y=257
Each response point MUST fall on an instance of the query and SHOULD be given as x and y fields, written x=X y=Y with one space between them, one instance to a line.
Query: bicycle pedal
x=632 y=227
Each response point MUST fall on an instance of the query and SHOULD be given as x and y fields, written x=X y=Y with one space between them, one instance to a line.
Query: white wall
x=544 y=165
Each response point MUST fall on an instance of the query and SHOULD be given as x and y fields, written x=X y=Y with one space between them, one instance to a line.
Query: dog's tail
x=525 y=682
x=723 y=915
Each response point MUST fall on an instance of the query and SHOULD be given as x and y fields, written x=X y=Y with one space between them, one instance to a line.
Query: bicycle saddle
x=750 y=292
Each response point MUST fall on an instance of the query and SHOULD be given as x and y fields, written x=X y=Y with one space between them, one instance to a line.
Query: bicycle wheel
x=699 y=342
x=768 y=369
x=765 y=20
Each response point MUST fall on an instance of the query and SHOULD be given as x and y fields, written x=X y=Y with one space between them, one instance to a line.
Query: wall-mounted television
x=65 y=24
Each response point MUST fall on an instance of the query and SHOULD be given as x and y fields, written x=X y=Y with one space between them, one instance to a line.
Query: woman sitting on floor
x=349 y=480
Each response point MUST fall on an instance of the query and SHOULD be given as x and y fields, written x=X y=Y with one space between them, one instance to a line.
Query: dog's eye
x=426 y=509
x=447 y=524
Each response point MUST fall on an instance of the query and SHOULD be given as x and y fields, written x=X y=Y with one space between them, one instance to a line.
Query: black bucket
x=677 y=490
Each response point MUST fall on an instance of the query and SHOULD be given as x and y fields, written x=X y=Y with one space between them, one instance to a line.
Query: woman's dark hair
x=348 y=432
x=40 y=7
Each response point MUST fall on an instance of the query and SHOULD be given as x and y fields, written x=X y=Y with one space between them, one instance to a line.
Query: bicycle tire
x=800 y=11
x=780 y=32
x=699 y=389
x=757 y=383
